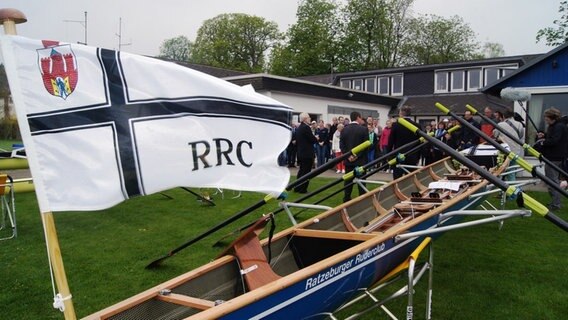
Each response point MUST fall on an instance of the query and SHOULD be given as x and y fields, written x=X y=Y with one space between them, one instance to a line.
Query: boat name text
x=334 y=271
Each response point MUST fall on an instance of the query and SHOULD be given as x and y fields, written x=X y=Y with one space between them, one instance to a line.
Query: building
x=321 y=101
x=452 y=84
x=546 y=80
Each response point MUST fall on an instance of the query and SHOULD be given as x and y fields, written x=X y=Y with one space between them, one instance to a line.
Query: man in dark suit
x=305 y=140
x=400 y=136
x=292 y=149
x=353 y=135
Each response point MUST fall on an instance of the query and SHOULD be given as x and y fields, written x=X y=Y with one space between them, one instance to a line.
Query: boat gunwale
x=246 y=298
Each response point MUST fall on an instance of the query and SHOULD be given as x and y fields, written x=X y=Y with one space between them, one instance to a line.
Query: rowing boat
x=315 y=266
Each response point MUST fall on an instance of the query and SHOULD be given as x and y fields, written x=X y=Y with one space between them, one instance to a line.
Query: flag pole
x=9 y=18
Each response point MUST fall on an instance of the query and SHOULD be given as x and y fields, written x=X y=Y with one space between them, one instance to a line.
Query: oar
x=522 y=198
x=345 y=177
x=414 y=146
x=360 y=148
x=520 y=161
x=391 y=162
x=525 y=146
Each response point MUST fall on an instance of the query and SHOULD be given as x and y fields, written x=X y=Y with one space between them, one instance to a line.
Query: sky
x=146 y=24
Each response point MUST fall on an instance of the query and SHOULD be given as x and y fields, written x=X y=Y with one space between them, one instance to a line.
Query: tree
x=559 y=35
x=311 y=41
x=492 y=50
x=235 y=41
x=5 y=92
x=177 y=48
x=433 y=39
x=373 y=34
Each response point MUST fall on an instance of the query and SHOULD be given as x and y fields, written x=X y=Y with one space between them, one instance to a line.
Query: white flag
x=100 y=126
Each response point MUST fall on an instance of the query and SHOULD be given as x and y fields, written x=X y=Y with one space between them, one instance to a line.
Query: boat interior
x=247 y=264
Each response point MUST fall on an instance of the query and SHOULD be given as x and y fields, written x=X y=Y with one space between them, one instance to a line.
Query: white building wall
x=319 y=105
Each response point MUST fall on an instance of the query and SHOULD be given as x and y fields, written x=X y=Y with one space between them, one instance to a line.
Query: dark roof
x=495 y=88
x=212 y=71
x=282 y=84
x=319 y=78
x=522 y=59
x=425 y=105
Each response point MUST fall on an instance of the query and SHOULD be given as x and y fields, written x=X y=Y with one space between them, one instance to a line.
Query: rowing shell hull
x=323 y=262
x=314 y=297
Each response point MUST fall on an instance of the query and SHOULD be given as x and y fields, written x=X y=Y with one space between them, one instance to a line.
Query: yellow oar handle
x=528 y=201
x=470 y=108
x=531 y=150
x=348 y=176
x=361 y=147
x=442 y=108
x=407 y=125
x=454 y=128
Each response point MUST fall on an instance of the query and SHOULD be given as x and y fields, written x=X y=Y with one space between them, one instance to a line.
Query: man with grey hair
x=305 y=140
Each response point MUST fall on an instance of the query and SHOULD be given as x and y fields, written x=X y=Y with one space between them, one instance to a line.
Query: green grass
x=518 y=272
x=7 y=144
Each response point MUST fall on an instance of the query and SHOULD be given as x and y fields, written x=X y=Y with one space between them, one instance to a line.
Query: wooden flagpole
x=9 y=18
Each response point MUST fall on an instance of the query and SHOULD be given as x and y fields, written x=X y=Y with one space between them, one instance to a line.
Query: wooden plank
x=153 y=292
x=346 y=221
x=187 y=301
x=333 y=234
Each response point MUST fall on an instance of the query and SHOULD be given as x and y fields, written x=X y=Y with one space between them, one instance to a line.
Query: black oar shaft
x=356 y=150
x=528 y=201
x=524 y=145
x=520 y=161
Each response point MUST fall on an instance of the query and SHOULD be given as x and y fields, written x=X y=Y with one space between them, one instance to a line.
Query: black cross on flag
x=100 y=126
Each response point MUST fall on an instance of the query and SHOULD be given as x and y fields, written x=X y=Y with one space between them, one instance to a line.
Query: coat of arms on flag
x=136 y=125
x=58 y=68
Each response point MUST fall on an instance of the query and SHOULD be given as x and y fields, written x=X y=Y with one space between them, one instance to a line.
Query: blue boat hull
x=327 y=290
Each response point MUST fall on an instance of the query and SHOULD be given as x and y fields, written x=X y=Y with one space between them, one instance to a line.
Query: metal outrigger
x=7 y=207
x=409 y=270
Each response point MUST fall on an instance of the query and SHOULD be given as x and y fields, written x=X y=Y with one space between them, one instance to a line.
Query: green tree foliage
x=177 y=48
x=311 y=42
x=555 y=36
x=235 y=41
x=492 y=50
x=374 y=32
x=4 y=92
x=433 y=39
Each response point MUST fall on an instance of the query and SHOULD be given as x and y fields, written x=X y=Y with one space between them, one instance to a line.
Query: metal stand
x=8 y=207
x=413 y=274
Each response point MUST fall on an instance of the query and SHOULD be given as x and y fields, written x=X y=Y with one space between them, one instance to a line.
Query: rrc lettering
x=223 y=147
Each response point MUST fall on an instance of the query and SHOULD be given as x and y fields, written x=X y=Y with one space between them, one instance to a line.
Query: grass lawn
x=518 y=272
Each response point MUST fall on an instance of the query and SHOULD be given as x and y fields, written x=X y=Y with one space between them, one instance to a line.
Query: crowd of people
x=315 y=143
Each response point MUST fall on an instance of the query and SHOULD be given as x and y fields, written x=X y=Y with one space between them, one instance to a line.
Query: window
x=397 y=85
x=491 y=75
x=358 y=84
x=370 y=85
x=346 y=84
x=473 y=79
x=458 y=78
x=506 y=72
x=383 y=85
x=441 y=81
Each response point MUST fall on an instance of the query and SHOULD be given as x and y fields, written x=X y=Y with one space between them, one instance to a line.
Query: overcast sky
x=146 y=24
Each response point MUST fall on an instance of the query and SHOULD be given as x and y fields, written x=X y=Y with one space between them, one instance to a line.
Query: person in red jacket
x=487 y=127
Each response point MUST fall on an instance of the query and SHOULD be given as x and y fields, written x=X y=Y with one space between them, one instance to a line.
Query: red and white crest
x=58 y=67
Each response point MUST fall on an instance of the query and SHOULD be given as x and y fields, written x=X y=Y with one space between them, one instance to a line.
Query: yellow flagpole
x=9 y=19
x=57 y=264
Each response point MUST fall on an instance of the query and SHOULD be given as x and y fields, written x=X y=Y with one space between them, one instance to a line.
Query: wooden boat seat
x=255 y=268
x=410 y=207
